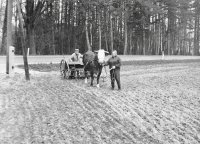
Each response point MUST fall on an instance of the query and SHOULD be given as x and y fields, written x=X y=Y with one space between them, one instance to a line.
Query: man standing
x=76 y=56
x=114 y=64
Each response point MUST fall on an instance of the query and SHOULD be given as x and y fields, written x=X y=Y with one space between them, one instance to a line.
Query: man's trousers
x=115 y=75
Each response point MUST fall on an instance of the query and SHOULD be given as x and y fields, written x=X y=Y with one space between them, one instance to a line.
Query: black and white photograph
x=99 y=71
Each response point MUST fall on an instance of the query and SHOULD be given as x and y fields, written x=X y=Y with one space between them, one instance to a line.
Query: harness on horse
x=100 y=64
x=88 y=63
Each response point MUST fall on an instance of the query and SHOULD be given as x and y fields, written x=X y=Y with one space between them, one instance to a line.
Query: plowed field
x=158 y=104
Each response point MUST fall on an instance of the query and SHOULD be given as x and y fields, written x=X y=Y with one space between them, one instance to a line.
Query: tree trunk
x=125 y=32
x=65 y=26
x=91 y=36
x=179 y=46
x=159 y=37
x=99 y=17
x=30 y=26
x=31 y=39
x=52 y=29
x=105 y=27
x=197 y=45
x=26 y=68
x=4 y=37
x=189 y=43
x=69 y=26
x=87 y=38
x=131 y=46
x=62 y=31
x=111 y=33
x=161 y=40
x=154 y=37
x=168 y=38
x=169 y=32
x=184 y=41
x=149 y=43
x=86 y=32
x=17 y=48
x=144 y=41
x=195 y=34
x=1 y=19
x=106 y=41
x=9 y=32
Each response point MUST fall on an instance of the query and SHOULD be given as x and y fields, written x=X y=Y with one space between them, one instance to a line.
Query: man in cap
x=114 y=64
x=76 y=56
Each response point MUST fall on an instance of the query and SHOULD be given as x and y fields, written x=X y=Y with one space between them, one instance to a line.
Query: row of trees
x=142 y=27
x=2 y=9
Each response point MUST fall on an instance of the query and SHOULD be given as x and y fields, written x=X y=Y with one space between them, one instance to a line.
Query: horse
x=93 y=63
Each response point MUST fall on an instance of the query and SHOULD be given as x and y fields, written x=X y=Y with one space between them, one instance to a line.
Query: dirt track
x=158 y=104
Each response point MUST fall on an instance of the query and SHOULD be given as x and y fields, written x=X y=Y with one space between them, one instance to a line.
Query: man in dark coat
x=114 y=64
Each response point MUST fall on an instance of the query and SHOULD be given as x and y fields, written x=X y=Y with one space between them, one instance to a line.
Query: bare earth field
x=158 y=104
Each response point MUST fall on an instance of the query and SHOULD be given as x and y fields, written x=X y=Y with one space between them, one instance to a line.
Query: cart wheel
x=63 y=68
x=68 y=71
x=67 y=74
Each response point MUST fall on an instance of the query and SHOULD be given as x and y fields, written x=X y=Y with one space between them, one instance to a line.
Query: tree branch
x=38 y=10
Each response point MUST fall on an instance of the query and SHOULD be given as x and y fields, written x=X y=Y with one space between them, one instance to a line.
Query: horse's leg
x=98 y=76
x=92 y=77
x=85 y=77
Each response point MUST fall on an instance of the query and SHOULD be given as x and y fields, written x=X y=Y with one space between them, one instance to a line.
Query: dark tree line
x=142 y=27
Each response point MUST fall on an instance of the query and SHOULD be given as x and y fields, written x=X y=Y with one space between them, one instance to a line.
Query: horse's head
x=101 y=55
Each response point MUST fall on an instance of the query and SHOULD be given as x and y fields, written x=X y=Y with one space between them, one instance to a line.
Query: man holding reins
x=114 y=64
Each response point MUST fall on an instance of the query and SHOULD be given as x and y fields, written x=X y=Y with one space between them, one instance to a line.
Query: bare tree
x=9 y=31
x=26 y=68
